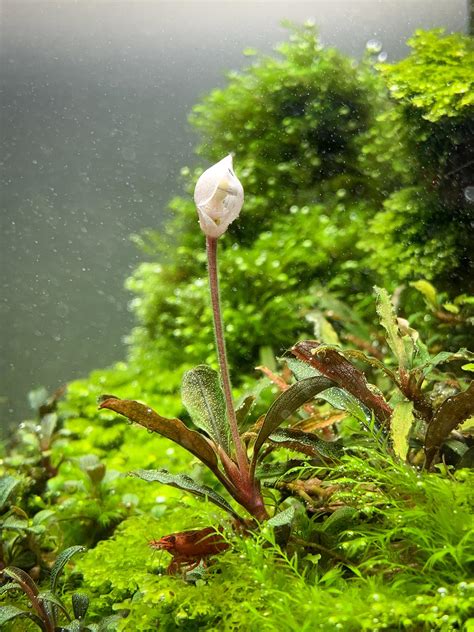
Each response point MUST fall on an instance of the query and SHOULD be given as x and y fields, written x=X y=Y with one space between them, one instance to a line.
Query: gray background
x=94 y=102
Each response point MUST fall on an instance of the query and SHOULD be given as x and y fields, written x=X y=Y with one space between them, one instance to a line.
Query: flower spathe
x=219 y=196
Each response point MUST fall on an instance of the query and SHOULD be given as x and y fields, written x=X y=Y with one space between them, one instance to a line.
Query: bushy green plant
x=401 y=528
x=429 y=219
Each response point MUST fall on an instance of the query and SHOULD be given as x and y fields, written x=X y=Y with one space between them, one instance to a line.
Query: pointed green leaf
x=287 y=403
x=10 y=586
x=400 y=426
x=186 y=483
x=388 y=320
x=446 y=356
x=447 y=416
x=305 y=442
x=10 y=613
x=173 y=429
x=342 y=400
x=7 y=486
x=204 y=400
x=282 y=518
x=61 y=561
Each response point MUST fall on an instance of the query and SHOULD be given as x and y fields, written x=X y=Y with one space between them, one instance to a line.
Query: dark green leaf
x=467 y=459
x=334 y=366
x=282 y=518
x=340 y=520
x=305 y=442
x=80 y=604
x=446 y=356
x=52 y=599
x=10 y=613
x=7 y=486
x=204 y=400
x=271 y=472
x=287 y=403
x=182 y=481
x=244 y=409
x=447 y=416
x=173 y=429
x=61 y=561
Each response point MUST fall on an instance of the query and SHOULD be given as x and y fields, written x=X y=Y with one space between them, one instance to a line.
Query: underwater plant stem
x=211 y=245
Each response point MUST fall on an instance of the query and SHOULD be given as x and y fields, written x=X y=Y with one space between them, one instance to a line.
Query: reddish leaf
x=173 y=429
x=450 y=413
x=334 y=365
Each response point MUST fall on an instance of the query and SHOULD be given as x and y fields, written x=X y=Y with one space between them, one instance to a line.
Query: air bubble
x=469 y=193
x=374 y=46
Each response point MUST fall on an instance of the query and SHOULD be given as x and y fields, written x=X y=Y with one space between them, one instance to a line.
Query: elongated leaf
x=244 y=409
x=204 y=400
x=282 y=518
x=23 y=579
x=428 y=291
x=61 y=561
x=80 y=605
x=305 y=442
x=342 y=400
x=52 y=599
x=301 y=370
x=450 y=413
x=10 y=586
x=7 y=487
x=340 y=520
x=10 y=613
x=400 y=426
x=186 y=483
x=271 y=472
x=287 y=403
x=334 y=366
x=446 y=356
x=173 y=429
x=388 y=320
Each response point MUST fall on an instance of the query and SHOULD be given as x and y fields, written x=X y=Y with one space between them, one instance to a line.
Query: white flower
x=219 y=196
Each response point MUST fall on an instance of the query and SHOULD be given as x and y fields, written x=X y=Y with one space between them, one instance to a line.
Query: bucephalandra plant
x=207 y=395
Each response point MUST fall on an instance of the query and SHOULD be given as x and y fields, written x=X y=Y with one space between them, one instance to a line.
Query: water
x=94 y=134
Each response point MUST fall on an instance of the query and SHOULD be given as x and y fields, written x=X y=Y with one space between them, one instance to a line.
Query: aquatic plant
x=47 y=607
x=208 y=395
